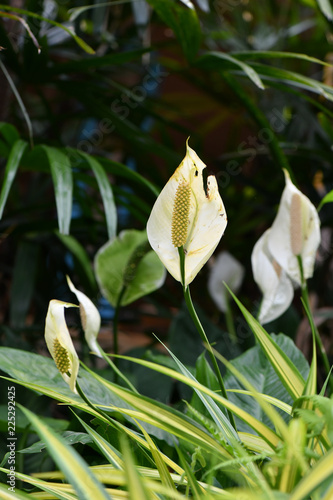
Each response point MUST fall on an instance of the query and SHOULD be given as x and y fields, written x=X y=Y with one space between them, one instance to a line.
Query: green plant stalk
x=116 y=322
x=305 y=297
x=201 y=331
x=230 y=321
x=118 y=373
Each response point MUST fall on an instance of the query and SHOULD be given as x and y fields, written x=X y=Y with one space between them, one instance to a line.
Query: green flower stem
x=305 y=297
x=116 y=322
x=201 y=331
x=230 y=321
x=118 y=373
x=92 y=406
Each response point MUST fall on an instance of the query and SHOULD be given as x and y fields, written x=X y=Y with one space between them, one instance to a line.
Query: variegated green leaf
x=285 y=369
x=69 y=461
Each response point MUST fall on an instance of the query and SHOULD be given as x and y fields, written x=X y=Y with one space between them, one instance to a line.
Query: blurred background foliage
x=106 y=94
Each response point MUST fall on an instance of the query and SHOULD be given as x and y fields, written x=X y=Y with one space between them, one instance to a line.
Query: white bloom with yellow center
x=185 y=215
x=59 y=342
x=295 y=232
x=90 y=318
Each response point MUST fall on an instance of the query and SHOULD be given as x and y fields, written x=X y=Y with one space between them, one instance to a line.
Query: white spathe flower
x=295 y=232
x=185 y=215
x=59 y=342
x=272 y=280
x=224 y=269
x=90 y=318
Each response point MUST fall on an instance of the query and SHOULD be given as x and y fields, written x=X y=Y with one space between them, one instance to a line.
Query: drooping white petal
x=90 y=318
x=295 y=231
x=56 y=331
x=272 y=280
x=225 y=269
x=206 y=219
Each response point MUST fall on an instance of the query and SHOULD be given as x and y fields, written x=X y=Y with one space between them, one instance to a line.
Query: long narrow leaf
x=13 y=162
x=165 y=475
x=69 y=461
x=196 y=489
x=285 y=369
x=80 y=254
x=29 y=13
x=315 y=477
x=106 y=193
x=7 y=494
x=110 y=453
x=271 y=54
x=52 y=489
x=222 y=56
x=219 y=418
x=268 y=73
x=134 y=483
x=63 y=185
x=326 y=8
x=270 y=437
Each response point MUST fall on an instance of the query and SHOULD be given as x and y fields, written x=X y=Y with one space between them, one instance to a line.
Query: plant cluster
x=220 y=406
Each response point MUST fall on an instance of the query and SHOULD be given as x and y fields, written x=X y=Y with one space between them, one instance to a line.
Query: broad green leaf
x=218 y=58
x=40 y=374
x=319 y=473
x=106 y=193
x=183 y=20
x=326 y=8
x=285 y=369
x=127 y=269
x=258 y=370
x=328 y=198
x=63 y=185
x=80 y=254
x=69 y=461
x=278 y=422
x=70 y=437
x=9 y=132
x=10 y=170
